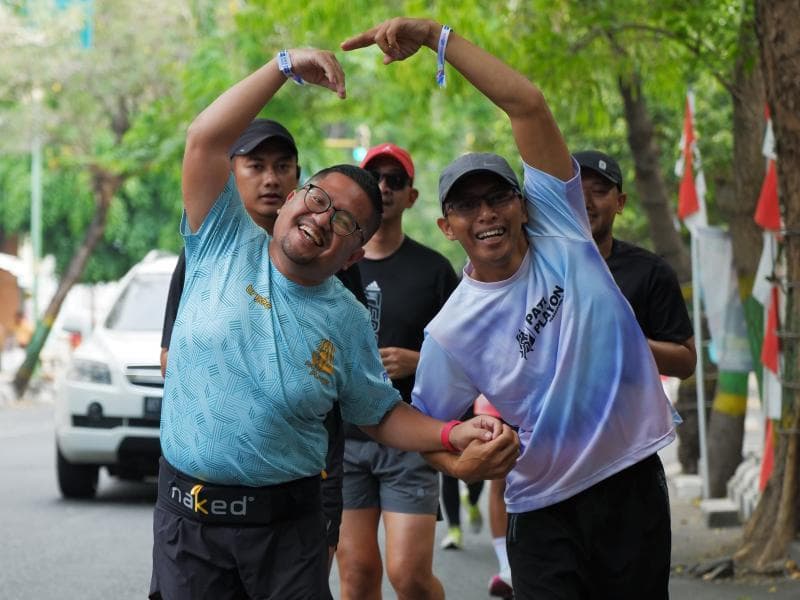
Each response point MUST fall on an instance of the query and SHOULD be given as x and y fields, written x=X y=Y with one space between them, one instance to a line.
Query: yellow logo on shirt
x=321 y=363
x=258 y=298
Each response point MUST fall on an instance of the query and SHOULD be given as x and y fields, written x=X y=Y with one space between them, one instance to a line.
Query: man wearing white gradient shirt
x=540 y=328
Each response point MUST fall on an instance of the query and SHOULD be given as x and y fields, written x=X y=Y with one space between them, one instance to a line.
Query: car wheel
x=74 y=480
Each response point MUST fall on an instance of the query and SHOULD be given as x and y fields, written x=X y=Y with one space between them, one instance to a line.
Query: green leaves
x=125 y=103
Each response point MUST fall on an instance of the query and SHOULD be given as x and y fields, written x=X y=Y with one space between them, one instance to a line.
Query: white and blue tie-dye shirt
x=256 y=361
x=557 y=350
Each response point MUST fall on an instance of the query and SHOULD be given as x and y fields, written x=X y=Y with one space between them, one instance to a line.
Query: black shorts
x=613 y=540
x=332 y=484
x=271 y=545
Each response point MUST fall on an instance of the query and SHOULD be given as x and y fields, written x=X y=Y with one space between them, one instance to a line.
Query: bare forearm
x=674 y=359
x=503 y=85
x=223 y=120
x=206 y=164
x=405 y=428
x=519 y=98
x=445 y=462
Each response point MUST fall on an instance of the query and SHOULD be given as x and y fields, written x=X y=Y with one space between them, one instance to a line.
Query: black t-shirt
x=173 y=299
x=404 y=292
x=652 y=289
x=351 y=278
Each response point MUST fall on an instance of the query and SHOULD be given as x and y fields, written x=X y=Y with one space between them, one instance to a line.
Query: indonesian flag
x=692 y=191
x=768 y=212
x=768 y=217
x=771 y=383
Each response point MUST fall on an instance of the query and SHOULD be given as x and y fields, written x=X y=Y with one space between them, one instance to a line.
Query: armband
x=445 y=436
x=285 y=65
x=440 y=78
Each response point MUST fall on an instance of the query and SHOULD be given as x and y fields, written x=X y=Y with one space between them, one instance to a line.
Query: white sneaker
x=454 y=539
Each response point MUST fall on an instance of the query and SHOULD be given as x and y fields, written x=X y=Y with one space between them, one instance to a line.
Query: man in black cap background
x=265 y=164
x=645 y=279
x=264 y=161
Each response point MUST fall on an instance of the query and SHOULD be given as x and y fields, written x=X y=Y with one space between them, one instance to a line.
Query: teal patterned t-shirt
x=256 y=361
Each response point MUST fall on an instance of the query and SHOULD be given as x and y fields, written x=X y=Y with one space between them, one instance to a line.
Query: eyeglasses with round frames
x=318 y=201
x=394 y=181
x=468 y=206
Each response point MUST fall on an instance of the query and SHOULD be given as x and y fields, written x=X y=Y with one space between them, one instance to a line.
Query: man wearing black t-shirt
x=406 y=284
x=264 y=163
x=645 y=279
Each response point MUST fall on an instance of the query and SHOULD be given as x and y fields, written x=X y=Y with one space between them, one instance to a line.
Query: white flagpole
x=699 y=371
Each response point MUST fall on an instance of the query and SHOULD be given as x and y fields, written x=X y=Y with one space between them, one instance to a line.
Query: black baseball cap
x=257 y=132
x=602 y=164
x=472 y=163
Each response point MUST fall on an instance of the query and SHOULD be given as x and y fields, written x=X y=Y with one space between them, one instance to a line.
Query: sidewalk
x=695 y=544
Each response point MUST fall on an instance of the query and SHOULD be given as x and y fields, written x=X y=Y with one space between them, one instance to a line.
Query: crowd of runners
x=322 y=367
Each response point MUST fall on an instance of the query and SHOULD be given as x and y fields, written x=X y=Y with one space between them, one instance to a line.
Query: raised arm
x=206 y=163
x=536 y=133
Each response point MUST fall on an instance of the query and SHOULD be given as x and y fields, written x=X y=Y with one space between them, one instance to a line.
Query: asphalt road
x=100 y=549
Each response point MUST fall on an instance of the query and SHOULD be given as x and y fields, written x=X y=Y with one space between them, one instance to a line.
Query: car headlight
x=89 y=370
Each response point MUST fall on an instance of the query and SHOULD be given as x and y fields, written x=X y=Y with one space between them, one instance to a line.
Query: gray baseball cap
x=471 y=163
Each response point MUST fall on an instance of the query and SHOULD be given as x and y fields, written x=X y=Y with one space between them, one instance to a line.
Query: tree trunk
x=774 y=523
x=104 y=186
x=737 y=204
x=649 y=182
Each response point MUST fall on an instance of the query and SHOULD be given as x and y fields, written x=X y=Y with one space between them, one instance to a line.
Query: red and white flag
x=768 y=217
x=771 y=384
x=692 y=191
x=768 y=212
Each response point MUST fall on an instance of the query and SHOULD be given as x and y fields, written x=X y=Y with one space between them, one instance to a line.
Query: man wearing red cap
x=406 y=284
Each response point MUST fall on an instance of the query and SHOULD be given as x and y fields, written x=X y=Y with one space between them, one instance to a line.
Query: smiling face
x=304 y=246
x=486 y=216
x=264 y=178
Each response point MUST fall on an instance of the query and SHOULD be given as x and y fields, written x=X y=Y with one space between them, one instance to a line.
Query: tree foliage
x=150 y=80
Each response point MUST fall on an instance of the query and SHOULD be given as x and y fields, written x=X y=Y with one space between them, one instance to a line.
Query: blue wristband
x=285 y=65
x=440 y=78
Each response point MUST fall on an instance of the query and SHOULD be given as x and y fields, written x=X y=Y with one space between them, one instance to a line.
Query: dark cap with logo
x=602 y=164
x=474 y=163
x=259 y=131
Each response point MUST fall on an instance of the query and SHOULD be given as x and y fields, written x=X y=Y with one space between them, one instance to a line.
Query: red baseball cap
x=396 y=152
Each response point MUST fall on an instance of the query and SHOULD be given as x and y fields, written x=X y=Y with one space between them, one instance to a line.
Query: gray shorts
x=376 y=476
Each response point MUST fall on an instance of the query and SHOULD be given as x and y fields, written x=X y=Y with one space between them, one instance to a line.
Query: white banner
x=723 y=305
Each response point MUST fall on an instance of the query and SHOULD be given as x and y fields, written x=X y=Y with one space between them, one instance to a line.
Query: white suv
x=108 y=404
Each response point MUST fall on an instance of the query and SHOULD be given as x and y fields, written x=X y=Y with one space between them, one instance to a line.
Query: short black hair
x=367 y=183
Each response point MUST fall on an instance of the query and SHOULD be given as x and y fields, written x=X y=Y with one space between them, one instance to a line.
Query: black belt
x=235 y=505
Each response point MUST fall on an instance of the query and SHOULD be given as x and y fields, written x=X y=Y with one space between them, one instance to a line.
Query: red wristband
x=445 y=436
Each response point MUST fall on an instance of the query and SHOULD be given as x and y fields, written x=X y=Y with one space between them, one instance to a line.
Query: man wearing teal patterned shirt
x=263 y=344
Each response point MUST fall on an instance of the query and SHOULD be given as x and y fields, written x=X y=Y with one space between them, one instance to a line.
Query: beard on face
x=294 y=256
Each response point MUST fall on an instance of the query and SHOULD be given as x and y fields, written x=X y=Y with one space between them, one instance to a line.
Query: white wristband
x=440 y=78
x=285 y=65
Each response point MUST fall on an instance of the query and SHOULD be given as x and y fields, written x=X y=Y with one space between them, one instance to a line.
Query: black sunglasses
x=394 y=181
